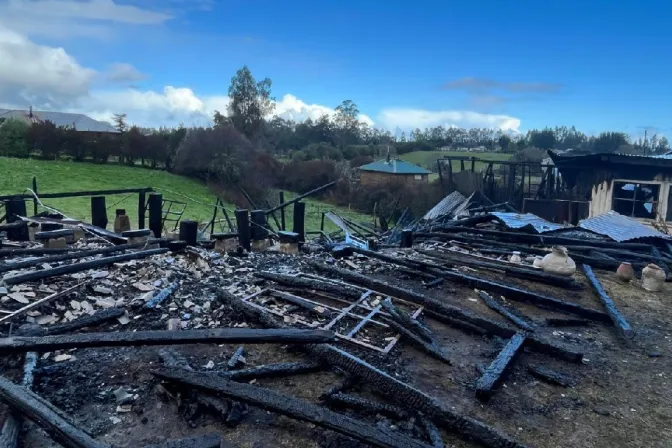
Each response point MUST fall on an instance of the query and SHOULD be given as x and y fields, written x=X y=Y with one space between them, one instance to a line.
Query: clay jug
x=625 y=272
x=558 y=262
x=653 y=278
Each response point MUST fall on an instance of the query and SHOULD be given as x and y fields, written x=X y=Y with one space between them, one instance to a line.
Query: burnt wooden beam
x=309 y=283
x=496 y=372
x=405 y=394
x=33 y=408
x=9 y=435
x=271 y=400
x=272 y=370
x=35 y=251
x=511 y=292
x=430 y=348
x=82 y=322
x=236 y=358
x=341 y=400
x=614 y=313
x=494 y=305
x=206 y=441
x=79 y=267
x=301 y=302
x=433 y=433
x=449 y=313
x=551 y=376
x=404 y=319
x=559 y=322
x=21 y=344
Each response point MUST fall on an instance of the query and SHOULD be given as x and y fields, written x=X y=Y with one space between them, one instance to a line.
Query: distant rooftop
x=394 y=166
x=79 y=122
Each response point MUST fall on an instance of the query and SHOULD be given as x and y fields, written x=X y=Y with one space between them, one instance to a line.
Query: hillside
x=62 y=176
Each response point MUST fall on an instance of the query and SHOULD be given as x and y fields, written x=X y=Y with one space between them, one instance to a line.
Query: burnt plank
x=551 y=376
x=496 y=372
x=270 y=400
x=237 y=358
x=20 y=344
x=493 y=304
x=404 y=319
x=272 y=370
x=560 y=322
x=62 y=431
x=614 y=313
x=341 y=400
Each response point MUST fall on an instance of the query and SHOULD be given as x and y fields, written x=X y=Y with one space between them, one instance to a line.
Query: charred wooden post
x=22 y=344
x=243 y=225
x=271 y=400
x=141 y=210
x=272 y=370
x=404 y=319
x=299 y=220
x=35 y=201
x=616 y=317
x=189 y=232
x=404 y=394
x=238 y=357
x=447 y=313
x=369 y=407
x=98 y=212
x=282 y=211
x=16 y=207
x=558 y=322
x=79 y=267
x=496 y=372
x=406 y=238
x=259 y=231
x=493 y=304
x=155 y=205
x=33 y=407
x=551 y=376
x=511 y=292
x=207 y=441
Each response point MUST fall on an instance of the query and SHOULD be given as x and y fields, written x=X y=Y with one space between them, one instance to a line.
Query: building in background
x=392 y=170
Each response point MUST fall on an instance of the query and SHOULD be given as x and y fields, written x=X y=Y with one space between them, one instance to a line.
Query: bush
x=14 y=138
x=308 y=175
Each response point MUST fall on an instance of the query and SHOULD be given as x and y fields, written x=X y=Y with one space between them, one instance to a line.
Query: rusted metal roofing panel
x=620 y=228
x=445 y=206
x=519 y=221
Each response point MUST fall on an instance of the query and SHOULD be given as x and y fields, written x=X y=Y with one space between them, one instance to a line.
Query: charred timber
x=494 y=305
x=9 y=436
x=69 y=256
x=79 y=267
x=34 y=252
x=93 y=320
x=271 y=400
x=301 y=302
x=309 y=283
x=558 y=322
x=272 y=370
x=341 y=400
x=404 y=394
x=551 y=376
x=207 y=441
x=439 y=309
x=511 y=292
x=237 y=358
x=614 y=313
x=404 y=319
x=433 y=433
x=430 y=348
x=20 y=344
x=496 y=372
x=32 y=407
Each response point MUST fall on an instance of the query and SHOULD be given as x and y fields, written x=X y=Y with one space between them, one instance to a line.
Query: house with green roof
x=392 y=170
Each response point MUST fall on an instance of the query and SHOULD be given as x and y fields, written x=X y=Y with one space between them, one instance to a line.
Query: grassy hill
x=62 y=176
x=427 y=159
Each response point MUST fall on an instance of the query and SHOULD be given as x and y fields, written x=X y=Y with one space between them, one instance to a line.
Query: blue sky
x=597 y=65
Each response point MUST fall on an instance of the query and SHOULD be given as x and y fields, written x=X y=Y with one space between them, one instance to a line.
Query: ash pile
x=477 y=328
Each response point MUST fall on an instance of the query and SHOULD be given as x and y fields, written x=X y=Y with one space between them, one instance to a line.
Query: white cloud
x=122 y=72
x=292 y=108
x=418 y=118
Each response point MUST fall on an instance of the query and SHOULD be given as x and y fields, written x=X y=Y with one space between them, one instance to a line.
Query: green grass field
x=427 y=159
x=63 y=176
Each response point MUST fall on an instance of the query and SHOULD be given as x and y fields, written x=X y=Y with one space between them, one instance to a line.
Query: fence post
x=35 y=197
x=17 y=207
x=98 y=212
x=299 y=220
x=282 y=210
x=156 y=214
x=189 y=231
x=141 y=210
x=243 y=224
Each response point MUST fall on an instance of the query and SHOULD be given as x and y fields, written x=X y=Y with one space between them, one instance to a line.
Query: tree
x=14 y=138
x=610 y=142
x=347 y=123
x=46 y=137
x=504 y=142
x=542 y=139
x=219 y=119
x=663 y=145
x=119 y=121
x=250 y=103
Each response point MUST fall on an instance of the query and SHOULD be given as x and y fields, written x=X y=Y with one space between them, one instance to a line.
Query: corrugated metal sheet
x=445 y=206
x=619 y=228
x=394 y=166
x=519 y=221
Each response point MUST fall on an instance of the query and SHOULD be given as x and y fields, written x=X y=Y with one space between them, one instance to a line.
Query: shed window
x=637 y=200
x=418 y=177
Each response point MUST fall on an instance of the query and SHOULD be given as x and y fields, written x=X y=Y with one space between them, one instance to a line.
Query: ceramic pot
x=625 y=272
x=558 y=262
x=515 y=258
x=653 y=278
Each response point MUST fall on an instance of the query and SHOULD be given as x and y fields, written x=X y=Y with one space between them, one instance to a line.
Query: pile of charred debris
x=440 y=339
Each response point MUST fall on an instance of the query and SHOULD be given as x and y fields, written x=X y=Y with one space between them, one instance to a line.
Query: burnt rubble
x=440 y=332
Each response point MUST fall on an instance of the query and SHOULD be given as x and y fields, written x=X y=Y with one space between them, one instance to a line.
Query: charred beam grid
x=79 y=267
x=452 y=314
x=496 y=372
x=617 y=318
x=511 y=292
x=21 y=344
x=494 y=305
x=270 y=400
x=35 y=409
x=404 y=394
